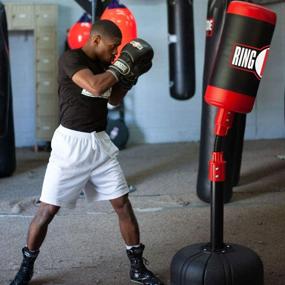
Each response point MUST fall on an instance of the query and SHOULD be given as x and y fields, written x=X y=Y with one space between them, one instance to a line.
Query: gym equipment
x=119 y=14
x=241 y=58
x=7 y=139
x=78 y=35
x=124 y=19
x=118 y=132
x=117 y=128
x=240 y=63
x=94 y=8
x=134 y=60
x=233 y=143
x=181 y=49
x=79 y=32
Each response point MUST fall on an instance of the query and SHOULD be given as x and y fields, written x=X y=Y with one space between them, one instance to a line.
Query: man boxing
x=83 y=156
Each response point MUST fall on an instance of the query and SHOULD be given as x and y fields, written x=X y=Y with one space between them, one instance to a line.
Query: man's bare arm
x=96 y=84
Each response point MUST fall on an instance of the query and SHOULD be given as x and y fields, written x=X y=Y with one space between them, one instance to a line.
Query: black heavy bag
x=181 y=49
x=7 y=140
x=234 y=141
x=239 y=124
x=94 y=8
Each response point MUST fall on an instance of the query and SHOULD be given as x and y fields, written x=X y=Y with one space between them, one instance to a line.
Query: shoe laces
x=145 y=261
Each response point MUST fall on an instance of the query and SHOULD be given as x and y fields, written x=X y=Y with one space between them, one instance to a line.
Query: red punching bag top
x=124 y=19
x=241 y=58
x=78 y=34
x=252 y=11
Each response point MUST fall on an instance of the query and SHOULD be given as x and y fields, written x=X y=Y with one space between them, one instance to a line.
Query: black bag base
x=233 y=265
x=118 y=132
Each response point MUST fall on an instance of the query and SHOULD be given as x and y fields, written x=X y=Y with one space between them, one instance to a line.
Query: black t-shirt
x=78 y=109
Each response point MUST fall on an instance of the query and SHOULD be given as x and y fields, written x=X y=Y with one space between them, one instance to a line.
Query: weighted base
x=234 y=265
x=118 y=132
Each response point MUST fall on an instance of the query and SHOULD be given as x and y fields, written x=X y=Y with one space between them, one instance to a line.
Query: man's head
x=105 y=37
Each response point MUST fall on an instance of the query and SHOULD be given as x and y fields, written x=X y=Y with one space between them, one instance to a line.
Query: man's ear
x=96 y=39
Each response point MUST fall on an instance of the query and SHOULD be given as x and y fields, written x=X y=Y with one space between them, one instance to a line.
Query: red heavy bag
x=124 y=19
x=242 y=57
x=79 y=33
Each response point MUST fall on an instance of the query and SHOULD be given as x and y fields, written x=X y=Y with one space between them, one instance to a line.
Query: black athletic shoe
x=139 y=273
x=26 y=270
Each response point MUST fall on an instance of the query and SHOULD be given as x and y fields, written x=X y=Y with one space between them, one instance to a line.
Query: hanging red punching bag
x=124 y=19
x=79 y=33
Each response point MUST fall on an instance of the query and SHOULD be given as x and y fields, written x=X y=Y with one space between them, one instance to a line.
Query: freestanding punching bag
x=7 y=140
x=234 y=142
x=181 y=49
x=239 y=66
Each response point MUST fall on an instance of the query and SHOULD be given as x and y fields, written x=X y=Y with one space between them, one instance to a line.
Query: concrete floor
x=83 y=246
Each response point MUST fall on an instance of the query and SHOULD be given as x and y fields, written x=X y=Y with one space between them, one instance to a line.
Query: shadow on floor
x=262 y=172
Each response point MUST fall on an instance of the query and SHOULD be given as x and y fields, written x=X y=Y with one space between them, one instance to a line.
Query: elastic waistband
x=61 y=129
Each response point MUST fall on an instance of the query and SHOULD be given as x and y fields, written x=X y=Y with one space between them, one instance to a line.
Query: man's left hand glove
x=134 y=60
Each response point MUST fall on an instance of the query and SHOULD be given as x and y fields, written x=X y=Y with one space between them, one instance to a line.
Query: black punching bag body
x=234 y=141
x=181 y=49
x=233 y=85
x=7 y=141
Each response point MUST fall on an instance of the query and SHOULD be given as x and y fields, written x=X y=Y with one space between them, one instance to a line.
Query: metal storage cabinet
x=46 y=69
x=42 y=19
x=20 y=16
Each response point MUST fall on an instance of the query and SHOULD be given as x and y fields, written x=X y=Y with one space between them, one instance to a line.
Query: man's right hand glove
x=127 y=84
x=134 y=60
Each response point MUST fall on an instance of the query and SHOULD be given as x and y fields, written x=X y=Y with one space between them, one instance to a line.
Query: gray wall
x=152 y=115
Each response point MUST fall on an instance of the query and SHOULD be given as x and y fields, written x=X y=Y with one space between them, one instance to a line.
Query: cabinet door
x=22 y=17
x=45 y=61
x=46 y=126
x=47 y=83
x=46 y=39
x=47 y=104
x=45 y=15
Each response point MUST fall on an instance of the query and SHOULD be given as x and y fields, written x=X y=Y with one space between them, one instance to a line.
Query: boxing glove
x=134 y=60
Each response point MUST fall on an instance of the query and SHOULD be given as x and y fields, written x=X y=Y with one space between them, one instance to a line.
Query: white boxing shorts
x=79 y=162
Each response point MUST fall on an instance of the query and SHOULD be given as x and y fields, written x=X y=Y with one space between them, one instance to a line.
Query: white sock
x=131 y=246
x=33 y=251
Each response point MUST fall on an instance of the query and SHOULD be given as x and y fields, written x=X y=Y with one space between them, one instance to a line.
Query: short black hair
x=106 y=28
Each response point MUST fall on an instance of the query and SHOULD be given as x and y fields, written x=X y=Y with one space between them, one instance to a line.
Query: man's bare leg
x=130 y=232
x=36 y=235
